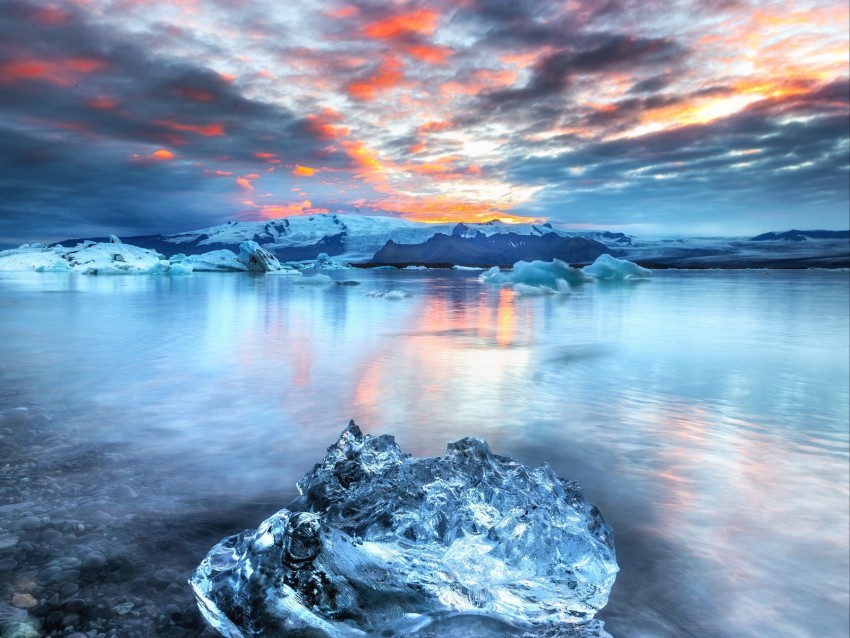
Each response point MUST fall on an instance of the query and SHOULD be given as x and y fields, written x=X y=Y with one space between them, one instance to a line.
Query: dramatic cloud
x=688 y=117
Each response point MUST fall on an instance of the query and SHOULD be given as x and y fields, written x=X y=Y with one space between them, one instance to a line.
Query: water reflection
x=705 y=413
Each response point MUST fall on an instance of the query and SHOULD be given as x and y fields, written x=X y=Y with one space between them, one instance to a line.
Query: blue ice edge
x=381 y=543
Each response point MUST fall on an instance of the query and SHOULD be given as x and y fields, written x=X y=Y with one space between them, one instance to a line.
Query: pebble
x=68 y=589
x=29 y=523
x=66 y=576
x=93 y=561
x=24 y=601
x=51 y=535
x=8 y=564
x=123 y=609
x=20 y=630
x=8 y=541
x=101 y=518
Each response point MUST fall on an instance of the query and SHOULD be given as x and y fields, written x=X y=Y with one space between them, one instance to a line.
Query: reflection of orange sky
x=447 y=342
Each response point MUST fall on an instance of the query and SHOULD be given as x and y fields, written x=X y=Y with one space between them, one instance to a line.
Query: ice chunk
x=537 y=277
x=257 y=258
x=115 y=259
x=316 y=280
x=32 y=257
x=213 y=261
x=390 y=294
x=326 y=262
x=380 y=543
x=113 y=239
x=561 y=288
x=610 y=268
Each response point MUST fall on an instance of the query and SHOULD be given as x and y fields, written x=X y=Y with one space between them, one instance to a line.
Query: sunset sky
x=654 y=118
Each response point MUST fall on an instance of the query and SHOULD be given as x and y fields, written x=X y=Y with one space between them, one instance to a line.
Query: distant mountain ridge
x=354 y=238
x=495 y=250
x=373 y=240
x=803 y=235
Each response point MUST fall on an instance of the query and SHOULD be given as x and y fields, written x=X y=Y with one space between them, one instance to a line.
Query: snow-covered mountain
x=359 y=238
x=354 y=238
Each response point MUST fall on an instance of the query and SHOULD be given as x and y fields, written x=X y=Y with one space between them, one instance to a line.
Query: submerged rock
x=382 y=543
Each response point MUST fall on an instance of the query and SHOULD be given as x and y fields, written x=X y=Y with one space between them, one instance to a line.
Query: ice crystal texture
x=382 y=543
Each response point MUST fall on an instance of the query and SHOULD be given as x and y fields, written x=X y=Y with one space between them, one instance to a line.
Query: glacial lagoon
x=705 y=413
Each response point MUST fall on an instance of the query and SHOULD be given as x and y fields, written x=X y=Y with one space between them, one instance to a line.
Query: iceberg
x=213 y=261
x=537 y=277
x=326 y=262
x=556 y=276
x=257 y=258
x=33 y=257
x=610 y=268
x=117 y=259
x=381 y=543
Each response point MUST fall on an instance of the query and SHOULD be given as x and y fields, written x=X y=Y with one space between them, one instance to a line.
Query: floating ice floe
x=556 y=277
x=467 y=268
x=610 y=268
x=537 y=277
x=257 y=258
x=390 y=294
x=119 y=259
x=33 y=257
x=315 y=280
x=213 y=261
x=90 y=258
x=382 y=544
x=326 y=262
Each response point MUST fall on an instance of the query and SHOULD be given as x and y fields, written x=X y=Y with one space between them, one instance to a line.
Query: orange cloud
x=430 y=53
x=62 y=72
x=162 y=154
x=103 y=103
x=207 y=130
x=434 y=126
x=423 y=22
x=49 y=15
x=243 y=182
x=481 y=80
x=276 y=211
x=444 y=208
x=195 y=94
x=363 y=157
x=326 y=124
x=304 y=171
x=388 y=76
x=342 y=12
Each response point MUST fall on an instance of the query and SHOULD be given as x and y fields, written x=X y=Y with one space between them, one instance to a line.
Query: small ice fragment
x=316 y=280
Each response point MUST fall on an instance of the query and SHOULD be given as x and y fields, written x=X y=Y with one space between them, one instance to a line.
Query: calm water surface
x=705 y=413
